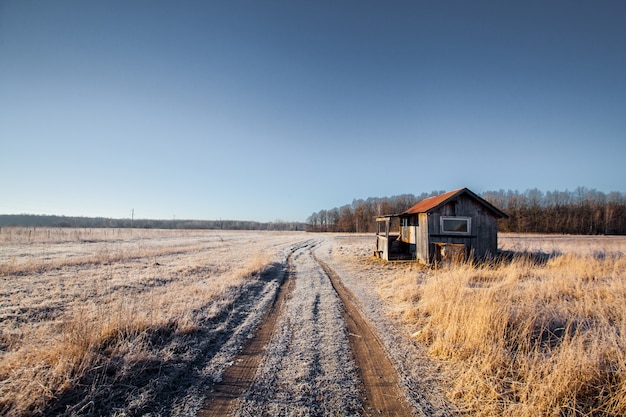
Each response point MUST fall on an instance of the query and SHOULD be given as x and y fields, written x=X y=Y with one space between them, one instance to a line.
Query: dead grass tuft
x=528 y=337
x=85 y=341
x=254 y=265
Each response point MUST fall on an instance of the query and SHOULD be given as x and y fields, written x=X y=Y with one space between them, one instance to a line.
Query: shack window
x=456 y=225
x=409 y=221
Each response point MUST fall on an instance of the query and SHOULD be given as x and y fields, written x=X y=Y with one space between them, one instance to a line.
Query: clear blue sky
x=265 y=110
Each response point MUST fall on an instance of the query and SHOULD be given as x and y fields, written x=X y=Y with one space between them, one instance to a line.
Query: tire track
x=308 y=368
x=313 y=354
x=382 y=395
x=222 y=396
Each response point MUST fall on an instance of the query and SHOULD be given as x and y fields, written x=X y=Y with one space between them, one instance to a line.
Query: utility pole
x=132 y=217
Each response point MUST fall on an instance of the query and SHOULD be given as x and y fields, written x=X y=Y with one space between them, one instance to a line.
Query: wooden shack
x=448 y=227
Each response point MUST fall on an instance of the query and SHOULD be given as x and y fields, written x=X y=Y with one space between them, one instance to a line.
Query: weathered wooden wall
x=422 y=241
x=424 y=230
x=482 y=239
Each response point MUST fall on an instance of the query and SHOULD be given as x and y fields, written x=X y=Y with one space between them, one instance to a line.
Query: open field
x=133 y=322
x=543 y=333
x=85 y=312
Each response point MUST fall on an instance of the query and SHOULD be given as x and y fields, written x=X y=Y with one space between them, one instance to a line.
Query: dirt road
x=313 y=354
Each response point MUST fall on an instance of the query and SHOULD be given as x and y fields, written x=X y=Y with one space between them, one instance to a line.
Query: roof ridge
x=432 y=202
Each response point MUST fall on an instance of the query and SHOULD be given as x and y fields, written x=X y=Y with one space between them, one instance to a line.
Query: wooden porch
x=388 y=245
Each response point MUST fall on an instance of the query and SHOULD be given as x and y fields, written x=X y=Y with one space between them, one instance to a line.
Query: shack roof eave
x=431 y=203
x=384 y=217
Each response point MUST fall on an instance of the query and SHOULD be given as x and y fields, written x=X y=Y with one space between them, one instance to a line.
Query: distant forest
x=582 y=211
x=31 y=220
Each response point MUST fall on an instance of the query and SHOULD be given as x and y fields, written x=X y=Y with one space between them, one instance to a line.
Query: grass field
x=84 y=310
x=122 y=316
x=540 y=333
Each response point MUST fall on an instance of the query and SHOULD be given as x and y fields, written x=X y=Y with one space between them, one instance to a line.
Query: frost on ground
x=120 y=323
x=308 y=368
x=128 y=322
x=419 y=376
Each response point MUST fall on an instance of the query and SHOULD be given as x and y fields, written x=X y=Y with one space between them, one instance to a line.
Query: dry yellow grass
x=527 y=336
x=72 y=307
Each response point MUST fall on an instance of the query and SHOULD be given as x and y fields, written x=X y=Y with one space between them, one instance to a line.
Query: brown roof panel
x=431 y=203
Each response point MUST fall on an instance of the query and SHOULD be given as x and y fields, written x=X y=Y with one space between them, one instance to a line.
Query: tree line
x=359 y=216
x=31 y=220
x=582 y=211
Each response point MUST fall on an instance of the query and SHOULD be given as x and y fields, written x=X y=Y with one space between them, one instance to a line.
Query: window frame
x=443 y=231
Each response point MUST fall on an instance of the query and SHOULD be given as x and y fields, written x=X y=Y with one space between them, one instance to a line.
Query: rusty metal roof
x=431 y=203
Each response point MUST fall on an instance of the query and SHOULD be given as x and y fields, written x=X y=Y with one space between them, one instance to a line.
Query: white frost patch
x=308 y=368
x=416 y=374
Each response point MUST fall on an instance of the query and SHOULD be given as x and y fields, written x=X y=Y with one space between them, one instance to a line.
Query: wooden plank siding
x=482 y=240
x=423 y=242
x=424 y=235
